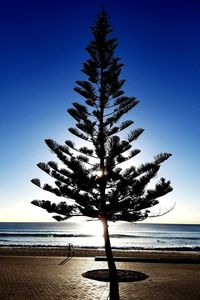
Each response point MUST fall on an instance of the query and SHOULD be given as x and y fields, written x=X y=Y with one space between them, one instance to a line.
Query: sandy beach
x=34 y=273
x=157 y=255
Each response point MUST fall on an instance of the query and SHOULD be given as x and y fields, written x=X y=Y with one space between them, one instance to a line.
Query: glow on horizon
x=29 y=213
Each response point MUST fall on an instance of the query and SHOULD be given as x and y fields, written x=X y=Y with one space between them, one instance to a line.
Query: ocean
x=88 y=234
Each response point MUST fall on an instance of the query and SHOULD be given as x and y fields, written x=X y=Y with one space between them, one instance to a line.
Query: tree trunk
x=114 y=285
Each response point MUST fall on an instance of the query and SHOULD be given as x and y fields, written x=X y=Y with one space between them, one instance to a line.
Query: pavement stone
x=41 y=278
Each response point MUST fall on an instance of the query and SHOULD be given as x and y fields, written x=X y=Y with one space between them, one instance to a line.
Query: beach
x=157 y=255
x=34 y=273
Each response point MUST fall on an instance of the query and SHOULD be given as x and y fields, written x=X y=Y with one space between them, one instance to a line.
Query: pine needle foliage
x=92 y=177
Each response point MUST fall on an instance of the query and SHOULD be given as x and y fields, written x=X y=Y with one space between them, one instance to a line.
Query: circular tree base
x=123 y=275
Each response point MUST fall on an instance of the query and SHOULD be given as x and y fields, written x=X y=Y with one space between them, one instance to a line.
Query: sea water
x=89 y=234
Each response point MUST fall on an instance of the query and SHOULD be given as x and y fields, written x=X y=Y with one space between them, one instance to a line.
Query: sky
x=41 y=56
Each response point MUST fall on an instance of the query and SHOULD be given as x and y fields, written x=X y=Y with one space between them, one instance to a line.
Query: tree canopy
x=93 y=178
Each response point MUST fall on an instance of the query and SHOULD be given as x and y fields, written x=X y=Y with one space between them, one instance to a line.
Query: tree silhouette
x=92 y=180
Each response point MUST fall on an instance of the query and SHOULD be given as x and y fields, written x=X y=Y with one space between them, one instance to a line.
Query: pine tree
x=92 y=180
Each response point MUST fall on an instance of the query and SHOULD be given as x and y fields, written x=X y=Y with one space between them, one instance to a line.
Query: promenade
x=41 y=278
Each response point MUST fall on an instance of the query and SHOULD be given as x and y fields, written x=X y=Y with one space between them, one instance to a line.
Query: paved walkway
x=41 y=278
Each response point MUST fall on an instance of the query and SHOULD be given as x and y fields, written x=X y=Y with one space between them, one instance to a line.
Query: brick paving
x=41 y=278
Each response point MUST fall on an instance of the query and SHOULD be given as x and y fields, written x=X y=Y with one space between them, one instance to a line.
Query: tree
x=92 y=180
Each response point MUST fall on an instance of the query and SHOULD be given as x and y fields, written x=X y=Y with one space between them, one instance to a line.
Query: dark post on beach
x=94 y=180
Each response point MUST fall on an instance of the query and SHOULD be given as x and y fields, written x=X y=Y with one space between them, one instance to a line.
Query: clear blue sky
x=41 y=55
